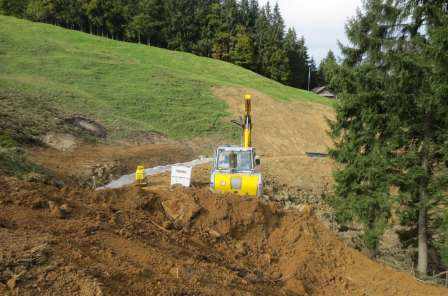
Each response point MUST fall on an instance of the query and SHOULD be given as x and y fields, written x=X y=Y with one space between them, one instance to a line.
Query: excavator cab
x=235 y=168
x=235 y=171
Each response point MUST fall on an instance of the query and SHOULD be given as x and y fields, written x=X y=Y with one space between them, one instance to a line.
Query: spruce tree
x=327 y=68
x=242 y=52
x=392 y=120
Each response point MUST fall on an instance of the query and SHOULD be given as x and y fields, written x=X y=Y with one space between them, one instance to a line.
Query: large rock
x=181 y=211
x=61 y=142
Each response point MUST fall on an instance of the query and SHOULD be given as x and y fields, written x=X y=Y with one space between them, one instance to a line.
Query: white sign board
x=181 y=175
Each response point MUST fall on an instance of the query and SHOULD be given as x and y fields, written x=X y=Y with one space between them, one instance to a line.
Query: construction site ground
x=64 y=238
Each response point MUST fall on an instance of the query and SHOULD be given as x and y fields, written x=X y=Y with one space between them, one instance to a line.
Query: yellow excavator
x=235 y=168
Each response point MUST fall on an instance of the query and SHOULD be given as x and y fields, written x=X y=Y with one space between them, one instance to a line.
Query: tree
x=392 y=120
x=242 y=52
x=327 y=68
x=261 y=40
x=147 y=24
x=13 y=7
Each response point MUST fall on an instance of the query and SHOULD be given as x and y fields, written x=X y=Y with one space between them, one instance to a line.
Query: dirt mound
x=283 y=133
x=101 y=163
x=159 y=241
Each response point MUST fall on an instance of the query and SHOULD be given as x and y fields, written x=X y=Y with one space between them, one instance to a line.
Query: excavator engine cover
x=241 y=184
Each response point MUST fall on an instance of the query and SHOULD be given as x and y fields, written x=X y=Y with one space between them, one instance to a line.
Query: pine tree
x=392 y=120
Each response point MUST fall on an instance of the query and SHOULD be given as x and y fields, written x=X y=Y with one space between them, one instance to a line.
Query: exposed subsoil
x=66 y=239
x=283 y=133
x=159 y=241
x=106 y=162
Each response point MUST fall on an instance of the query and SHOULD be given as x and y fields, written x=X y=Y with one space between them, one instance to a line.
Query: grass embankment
x=47 y=73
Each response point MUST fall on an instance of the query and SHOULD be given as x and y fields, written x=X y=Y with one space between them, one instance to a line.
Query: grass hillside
x=47 y=70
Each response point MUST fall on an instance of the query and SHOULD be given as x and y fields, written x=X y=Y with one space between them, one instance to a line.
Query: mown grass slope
x=47 y=70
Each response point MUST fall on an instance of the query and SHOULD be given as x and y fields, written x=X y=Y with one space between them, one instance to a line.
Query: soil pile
x=159 y=241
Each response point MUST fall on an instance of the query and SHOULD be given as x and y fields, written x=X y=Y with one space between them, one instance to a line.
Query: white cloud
x=322 y=22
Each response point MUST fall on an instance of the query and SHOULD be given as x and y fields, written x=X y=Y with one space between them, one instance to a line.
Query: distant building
x=324 y=91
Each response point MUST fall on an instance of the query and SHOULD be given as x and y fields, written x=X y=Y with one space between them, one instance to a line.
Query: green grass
x=47 y=70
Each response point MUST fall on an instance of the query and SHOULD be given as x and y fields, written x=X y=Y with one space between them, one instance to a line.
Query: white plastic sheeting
x=130 y=179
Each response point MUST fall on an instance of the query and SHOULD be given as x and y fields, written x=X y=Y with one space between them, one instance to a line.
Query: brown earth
x=161 y=241
x=156 y=240
x=283 y=133
x=108 y=161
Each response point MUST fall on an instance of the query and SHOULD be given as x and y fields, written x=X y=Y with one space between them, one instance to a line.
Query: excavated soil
x=160 y=241
x=66 y=239
x=108 y=162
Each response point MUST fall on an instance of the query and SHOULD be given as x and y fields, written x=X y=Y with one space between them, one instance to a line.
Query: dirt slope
x=159 y=241
x=283 y=132
x=116 y=159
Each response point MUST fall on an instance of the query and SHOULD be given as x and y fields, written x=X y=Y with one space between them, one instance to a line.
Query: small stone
x=276 y=276
x=51 y=205
x=66 y=208
x=12 y=282
x=214 y=233
x=180 y=211
x=58 y=183
x=167 y=224
x=62 y=212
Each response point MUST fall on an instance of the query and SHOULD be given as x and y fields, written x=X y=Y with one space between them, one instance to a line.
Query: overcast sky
x=320 y=21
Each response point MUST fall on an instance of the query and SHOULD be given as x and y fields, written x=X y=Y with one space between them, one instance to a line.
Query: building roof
x=324 y=91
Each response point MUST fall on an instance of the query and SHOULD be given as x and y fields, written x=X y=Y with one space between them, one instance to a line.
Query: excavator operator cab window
x=235 y=160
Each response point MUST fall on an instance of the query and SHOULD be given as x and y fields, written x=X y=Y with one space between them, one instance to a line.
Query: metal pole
x=309 y=78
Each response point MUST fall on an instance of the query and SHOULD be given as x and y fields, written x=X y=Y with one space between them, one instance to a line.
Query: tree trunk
x=422 y=264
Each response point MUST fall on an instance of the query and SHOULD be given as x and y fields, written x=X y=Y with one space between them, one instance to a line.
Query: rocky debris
x=276 y=276
x=63 y=212
x=304 y=201
x=35 y=256
x=103 y=173
x=16 y=264
x=180 y=211
x=39 y=204
x=118 y=243
x=90 y=287
x=146 y=202
x=215 y=234
x=12 y=282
